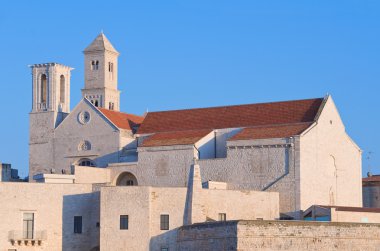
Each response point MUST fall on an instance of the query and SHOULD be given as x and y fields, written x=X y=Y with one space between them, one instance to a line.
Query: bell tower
x=100 y=61
x=50 y=105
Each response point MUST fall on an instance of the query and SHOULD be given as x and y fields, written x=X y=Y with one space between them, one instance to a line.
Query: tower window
x=111 y=106
x=96 y=103
x=62 y=89
x=43 y=88
x=94 y=65
x=110 y=69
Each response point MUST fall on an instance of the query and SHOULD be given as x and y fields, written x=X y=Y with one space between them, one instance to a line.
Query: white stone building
x=118 y=181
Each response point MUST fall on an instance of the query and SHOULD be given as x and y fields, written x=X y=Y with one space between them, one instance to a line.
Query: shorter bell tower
x=50 y=105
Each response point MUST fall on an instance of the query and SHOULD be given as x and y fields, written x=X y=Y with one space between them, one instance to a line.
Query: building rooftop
x=122 y=120
x=251 y=115
x=100 y=43
x=175 y=138
x=271 y=131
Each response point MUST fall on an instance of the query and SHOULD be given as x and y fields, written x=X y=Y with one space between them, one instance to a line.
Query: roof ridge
x=226 y=106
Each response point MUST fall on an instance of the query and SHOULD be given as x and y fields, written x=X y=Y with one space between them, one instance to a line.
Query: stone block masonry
x=279 y=235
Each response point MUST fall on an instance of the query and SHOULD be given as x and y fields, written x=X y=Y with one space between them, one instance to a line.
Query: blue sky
x=183 y=54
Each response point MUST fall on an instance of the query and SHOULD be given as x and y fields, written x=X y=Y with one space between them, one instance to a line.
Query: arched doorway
x=126 y=179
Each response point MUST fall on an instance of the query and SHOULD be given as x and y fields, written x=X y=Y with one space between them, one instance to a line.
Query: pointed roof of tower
x=101 y=43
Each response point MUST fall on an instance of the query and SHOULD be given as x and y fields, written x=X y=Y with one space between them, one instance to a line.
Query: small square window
x=77 y=224
x=123 y=222
x=222 y=217
x=164 y=222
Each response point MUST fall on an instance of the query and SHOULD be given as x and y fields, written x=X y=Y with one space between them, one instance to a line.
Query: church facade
x=286 y=147
x=126 y=182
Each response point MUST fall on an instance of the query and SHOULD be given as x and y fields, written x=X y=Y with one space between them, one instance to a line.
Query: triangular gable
x=73 y=115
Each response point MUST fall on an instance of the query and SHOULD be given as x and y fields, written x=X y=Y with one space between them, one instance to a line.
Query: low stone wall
x=279 y=235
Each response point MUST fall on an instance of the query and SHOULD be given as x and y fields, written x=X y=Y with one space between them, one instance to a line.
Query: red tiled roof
x=267 y=132
x=175 y=138
x=286 y=112
x=374 y=178
x=122 y=120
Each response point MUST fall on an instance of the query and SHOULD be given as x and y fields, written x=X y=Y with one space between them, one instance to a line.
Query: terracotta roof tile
x=232 y=116
x=267 y=132
x=175 y=138
x=122 y=120
x=374 y=178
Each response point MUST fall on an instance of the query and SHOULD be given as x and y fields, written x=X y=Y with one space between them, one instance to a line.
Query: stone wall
x=89 y=175
x=54 y=207
x=144 y=205
x=263 y=165
x=279 y=235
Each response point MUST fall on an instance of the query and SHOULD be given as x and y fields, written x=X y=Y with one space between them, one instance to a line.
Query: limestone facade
x=122 y=172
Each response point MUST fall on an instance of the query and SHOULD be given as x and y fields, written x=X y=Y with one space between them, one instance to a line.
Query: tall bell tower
x=100 y=61
x=50 y=105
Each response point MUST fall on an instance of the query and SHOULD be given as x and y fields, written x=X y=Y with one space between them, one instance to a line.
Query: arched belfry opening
x=43 y=89
x=62 y=89
x=126 y=179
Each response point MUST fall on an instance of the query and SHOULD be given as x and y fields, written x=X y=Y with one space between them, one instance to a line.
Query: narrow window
x=43 y=88
x=96 y=103
x=96 y=65
x=62 y=89
x=164 y=222
x=123 y=222
x=222 y=217
x=92 y=65
x=28 y=223
x=77 y=224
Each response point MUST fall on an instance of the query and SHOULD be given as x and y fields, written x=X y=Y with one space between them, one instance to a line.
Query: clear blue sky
x=183 y=54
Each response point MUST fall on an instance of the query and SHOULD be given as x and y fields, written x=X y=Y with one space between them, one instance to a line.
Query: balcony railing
x=26 y=238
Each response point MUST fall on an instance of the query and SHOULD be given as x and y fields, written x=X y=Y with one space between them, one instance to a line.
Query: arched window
x=96 y=103
x=126 y=179
x=96 y=65
x=62 y=89
x=86 y=162
x=43 y=88
x=92 y=65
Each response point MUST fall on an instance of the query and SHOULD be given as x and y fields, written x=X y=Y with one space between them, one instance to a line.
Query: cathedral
x=195 y=179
